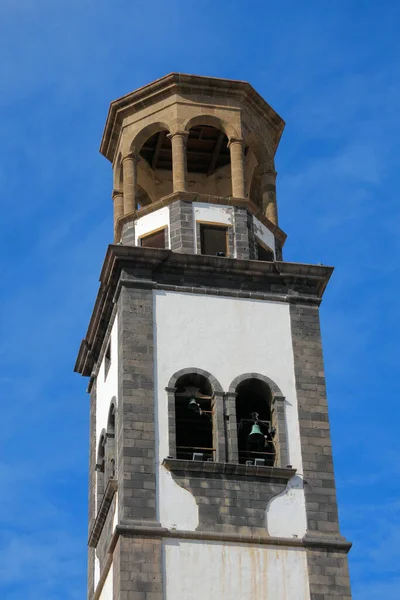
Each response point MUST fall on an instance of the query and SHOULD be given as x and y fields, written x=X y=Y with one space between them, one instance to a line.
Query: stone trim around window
x=225 y=423
x=218 y=412
x=230 y=237
x=278 y=418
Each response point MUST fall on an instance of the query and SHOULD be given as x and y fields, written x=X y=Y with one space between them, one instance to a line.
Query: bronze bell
x=255 y=435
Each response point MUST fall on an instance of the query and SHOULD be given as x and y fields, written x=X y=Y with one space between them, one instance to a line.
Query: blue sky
x=332 y=71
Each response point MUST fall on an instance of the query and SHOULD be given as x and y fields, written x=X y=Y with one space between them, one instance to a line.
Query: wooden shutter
x=213 y=239
x=154 y=240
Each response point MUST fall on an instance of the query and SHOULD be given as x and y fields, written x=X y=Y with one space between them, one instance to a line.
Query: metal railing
x=190 y=452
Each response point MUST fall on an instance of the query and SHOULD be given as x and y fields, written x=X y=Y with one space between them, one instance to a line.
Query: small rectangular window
x=213 y=239
x=107 y=359
x=264 y=253
x=154 y=240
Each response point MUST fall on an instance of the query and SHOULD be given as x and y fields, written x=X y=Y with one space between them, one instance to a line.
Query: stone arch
x=110 y=454
x=102 y=439
x=276 y=391
x=142 y=196
x=259 y=148
x=264 y=163
x=216 y=386
x=100 y=467
x=112 y=414
x=213 y=121
x=145 y=133
x=218 y=411
x=118 y=173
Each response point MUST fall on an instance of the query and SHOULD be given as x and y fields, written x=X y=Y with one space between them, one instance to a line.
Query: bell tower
x=211 y=469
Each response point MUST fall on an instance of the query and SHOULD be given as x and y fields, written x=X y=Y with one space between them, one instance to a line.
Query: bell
x=255 y=434
x=194 y=405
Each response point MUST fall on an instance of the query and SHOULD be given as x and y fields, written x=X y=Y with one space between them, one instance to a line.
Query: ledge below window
x=230 y=469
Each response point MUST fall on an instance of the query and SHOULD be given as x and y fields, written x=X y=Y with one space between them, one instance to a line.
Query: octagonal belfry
x=203 y=149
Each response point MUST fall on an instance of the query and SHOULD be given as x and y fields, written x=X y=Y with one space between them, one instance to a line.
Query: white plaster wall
x=148 y=223
x=115 y=518
x=177 y=508
x=226 y=337
x=212 y=213
x=264 y=234
x=285 y=514
x=199 y=570
x=107 y=591
x=96 y=572
x=107 y=388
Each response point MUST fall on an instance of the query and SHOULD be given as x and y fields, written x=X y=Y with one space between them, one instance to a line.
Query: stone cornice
x=162 y=269
x=131 y=528
x=195 y=197
x=326 y=540
x=189 y=85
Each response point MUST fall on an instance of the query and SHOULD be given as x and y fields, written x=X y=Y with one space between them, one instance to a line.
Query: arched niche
x=196 y=422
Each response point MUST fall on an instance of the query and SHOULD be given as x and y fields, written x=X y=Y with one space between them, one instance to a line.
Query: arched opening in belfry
x=256 y=187
x=109 y=471
x=255 y=430
x=155 y=168
x=100 y=469
x=194 y=418
x=208 y=161
x=142 y=198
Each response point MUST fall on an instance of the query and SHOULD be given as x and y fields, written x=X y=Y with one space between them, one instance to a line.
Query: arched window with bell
x=100 y=468
x=110 y=466
x=255 y=431
x=257 y=410
x=196 y=428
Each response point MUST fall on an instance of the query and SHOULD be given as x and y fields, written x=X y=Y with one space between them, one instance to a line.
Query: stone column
x=129 y=164
x=268 y=186
x=118 y=199
x=178 y=142
x=219 y=427
x=279 y=422
x=237 y=167
x=231 y=427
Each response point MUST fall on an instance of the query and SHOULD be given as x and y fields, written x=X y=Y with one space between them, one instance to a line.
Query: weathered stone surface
x=138 y=568
x=319 y=480
x=136 y=454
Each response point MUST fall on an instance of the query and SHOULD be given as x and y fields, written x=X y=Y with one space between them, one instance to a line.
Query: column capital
x=132 y=155
x=116 y=194
x=268 y=171
x=183 y=134
x=235 y=140
x=277 y=399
